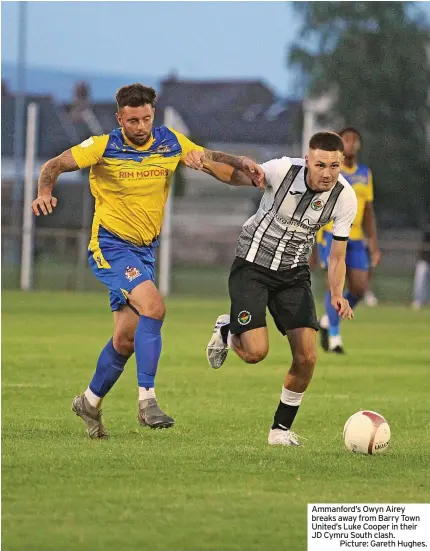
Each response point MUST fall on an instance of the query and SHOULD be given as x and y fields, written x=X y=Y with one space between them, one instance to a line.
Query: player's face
x=351 y=144
x=137 y=122
x=323 y=168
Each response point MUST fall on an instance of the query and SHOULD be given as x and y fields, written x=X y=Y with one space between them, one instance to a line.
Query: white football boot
x=279 y=437
x=217 y=349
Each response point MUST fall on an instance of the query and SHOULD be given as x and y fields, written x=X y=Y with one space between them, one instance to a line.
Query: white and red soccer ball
x=366 y=432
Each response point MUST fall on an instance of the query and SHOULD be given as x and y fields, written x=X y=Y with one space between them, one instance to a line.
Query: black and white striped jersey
x=281 y=233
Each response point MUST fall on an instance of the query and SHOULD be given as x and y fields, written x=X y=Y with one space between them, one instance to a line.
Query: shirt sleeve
x=273 y=168
x=186 y=144
x=345 y=215
x=369 y=198
x=90 y=151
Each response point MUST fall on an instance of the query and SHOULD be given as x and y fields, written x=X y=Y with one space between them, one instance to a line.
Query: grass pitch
x=211 y=482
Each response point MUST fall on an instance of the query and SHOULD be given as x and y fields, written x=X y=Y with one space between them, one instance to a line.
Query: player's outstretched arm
x=336 y=278
x=199 y=159
x=49 y=173
x=227 y=174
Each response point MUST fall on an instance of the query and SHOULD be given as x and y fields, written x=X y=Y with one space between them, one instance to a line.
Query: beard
x=137 y=140
x=320 y=186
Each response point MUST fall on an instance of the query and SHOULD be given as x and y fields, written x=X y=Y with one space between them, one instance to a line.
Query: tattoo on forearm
x=48 y=177
x=221 y=157
x=66 y=167
x=53 y=168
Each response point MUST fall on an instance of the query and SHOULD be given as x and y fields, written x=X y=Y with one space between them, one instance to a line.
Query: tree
x=376 y=56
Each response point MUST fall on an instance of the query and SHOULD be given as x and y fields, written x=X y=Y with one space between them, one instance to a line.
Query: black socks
x=284 y=416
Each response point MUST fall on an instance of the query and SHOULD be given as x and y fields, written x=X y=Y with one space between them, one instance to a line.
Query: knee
x=153 y=309
x=124 y=344
x=305 y=361
x=255 y=356
x=146 y=299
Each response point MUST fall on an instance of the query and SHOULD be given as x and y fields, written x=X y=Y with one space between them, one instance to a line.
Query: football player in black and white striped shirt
x=271 y=267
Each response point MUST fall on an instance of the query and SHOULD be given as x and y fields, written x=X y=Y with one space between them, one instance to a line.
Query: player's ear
x=118 y=118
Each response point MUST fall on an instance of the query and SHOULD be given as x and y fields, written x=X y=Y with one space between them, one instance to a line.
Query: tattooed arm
x=227 y=174
x=234 y=161
x=219 y=164
x=47 y=180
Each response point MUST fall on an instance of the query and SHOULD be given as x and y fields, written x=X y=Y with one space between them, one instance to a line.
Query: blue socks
x=147 y=346
x=333 y=316
x=110 y=365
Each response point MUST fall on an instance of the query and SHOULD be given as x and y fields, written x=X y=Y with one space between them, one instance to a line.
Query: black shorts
x=286 y=293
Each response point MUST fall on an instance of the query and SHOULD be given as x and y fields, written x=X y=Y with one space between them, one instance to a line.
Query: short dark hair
x=327 y=141
x=135 y=95
x=350 y=129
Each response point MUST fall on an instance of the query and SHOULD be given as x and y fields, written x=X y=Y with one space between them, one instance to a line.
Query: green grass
x=196 y=281
x=211 y=482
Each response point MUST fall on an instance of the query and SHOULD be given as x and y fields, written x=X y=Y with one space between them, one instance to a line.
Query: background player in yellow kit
x=357 y=255
x=131 y=170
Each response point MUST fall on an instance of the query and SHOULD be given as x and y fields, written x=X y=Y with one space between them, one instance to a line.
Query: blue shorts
x=120 y=265
x=357 y=256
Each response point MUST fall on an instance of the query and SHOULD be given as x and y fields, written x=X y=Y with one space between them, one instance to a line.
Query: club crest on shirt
x=317 y=204
x=132 y=273
x=244 y=317
x=163 y=149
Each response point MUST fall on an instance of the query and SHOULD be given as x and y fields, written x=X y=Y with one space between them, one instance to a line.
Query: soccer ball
x=366 y=432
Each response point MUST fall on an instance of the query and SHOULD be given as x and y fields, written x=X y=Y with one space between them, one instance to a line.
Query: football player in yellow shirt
x=357 y=255
x=130 y=176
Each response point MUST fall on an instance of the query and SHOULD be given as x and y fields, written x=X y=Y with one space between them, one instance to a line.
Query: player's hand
x=342 y=307
x=375 y=256
x=194 y=159
x=253 y=171
x=46 y=204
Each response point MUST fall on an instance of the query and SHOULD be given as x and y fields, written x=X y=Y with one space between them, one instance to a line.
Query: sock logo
x=132 y=273
x=244 y=317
